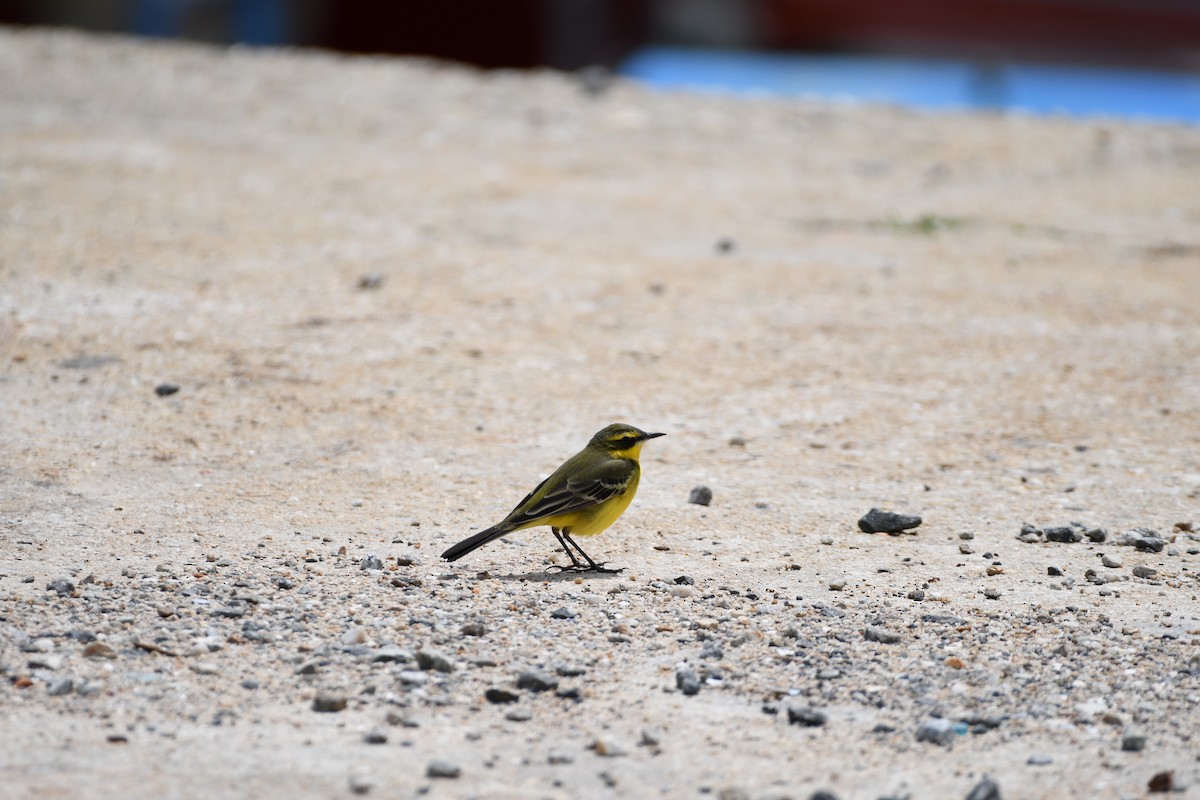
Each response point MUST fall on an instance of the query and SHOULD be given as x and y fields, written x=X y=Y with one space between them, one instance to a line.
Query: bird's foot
x=584 y=568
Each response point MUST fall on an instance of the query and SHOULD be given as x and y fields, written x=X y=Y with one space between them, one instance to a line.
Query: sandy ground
x=393 y=295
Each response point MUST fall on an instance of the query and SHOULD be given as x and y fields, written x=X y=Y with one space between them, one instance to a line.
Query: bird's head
x=621 y=441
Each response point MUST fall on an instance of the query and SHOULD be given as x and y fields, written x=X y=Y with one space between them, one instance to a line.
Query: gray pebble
x=396 y=718
x=1064 y=533
x=879 y=521
x=687 y=680
x=250 y=684
x=986 y=789
x=433 y=660
x=442 y=769
x=1112 y=562
x=536 y=681
x=329 y=703
x=519 y=715
x=823 y=795
x=1096 y=535
x=1039 y=760
x=61 y=686
x=563 y=613
x=558 y=757
x=1143 y=539
x=372 y=561
x=391 y=654
x=1142 y=571
x=166 y=389
x=700 y=495
x=876 y=633
x=992 y=594
x=361 y=784
x=966 y=535
x=473 y=629
x=62 y=587
x=1029 y=534
x=569 y=670
x=230 y=612
x=411 y=677
x=375 y=737
x=50 y=661
x=936 y=730
x=806 y=716
x=1133 y=742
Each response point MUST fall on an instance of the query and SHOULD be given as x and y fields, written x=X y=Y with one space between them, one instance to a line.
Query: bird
x=581 y=498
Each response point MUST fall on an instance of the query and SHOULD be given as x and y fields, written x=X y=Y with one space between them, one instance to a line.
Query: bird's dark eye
x=626 y=440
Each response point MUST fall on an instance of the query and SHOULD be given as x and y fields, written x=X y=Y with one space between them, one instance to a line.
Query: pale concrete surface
x=984 y=320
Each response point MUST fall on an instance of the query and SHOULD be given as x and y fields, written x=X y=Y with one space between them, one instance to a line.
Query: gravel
x=204 y=213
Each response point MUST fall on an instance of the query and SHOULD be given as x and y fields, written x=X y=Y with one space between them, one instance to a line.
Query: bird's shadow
x=556 y=577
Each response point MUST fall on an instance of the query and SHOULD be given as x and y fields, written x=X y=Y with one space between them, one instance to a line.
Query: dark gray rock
x=536 y=681
x=1133 y=742
x=439 y=768
x=806 y=716
x=936 y=730
x=166 y=389
x=687 y=680
x=879 y=521
x=61 y=587
x=876 y=633
x=1063 y=533
x=563 y=613
x=432 y=660
x=700 y=495
x=1143 y=539
x=986 y=789
x=329 y=703
x=501 y=696
x=372 y=561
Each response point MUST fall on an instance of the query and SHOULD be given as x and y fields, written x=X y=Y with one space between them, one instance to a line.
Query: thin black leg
x=574 y=561
x=592 y=565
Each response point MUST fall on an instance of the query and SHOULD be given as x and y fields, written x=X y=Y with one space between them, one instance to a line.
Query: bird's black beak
x=652 y=436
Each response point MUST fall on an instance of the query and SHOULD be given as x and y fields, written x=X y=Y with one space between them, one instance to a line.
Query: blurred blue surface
x=927 y=82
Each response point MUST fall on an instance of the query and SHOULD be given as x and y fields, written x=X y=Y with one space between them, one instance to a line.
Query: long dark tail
x=478 y=540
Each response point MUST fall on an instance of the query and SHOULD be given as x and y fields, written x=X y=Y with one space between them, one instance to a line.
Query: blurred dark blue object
x=261 y=22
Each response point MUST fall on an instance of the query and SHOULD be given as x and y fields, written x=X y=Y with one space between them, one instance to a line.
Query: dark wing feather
x=602 y=483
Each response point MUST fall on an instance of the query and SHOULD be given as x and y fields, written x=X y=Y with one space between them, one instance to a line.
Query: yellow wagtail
x=582 y=497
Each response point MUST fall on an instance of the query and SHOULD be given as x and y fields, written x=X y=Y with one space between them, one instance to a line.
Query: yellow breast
x=595 y=519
